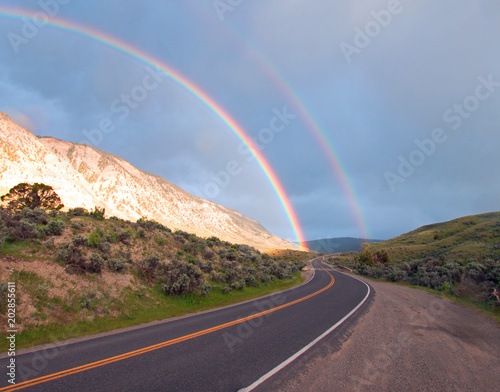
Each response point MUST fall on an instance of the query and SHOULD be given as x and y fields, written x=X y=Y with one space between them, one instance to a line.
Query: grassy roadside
x=485 y=309
x=78 y=273
x=152 y=305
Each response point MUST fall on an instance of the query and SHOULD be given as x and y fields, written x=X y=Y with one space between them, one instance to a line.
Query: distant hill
x=471 y=237
x=337 y=245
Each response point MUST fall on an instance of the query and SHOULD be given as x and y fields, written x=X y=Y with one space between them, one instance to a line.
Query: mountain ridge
x=85 y=176
x=337 y=245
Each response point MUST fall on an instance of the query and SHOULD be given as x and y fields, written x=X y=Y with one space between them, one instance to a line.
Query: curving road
x=239 y=347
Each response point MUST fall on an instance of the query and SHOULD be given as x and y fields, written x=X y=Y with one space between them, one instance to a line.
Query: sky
x=377 y=117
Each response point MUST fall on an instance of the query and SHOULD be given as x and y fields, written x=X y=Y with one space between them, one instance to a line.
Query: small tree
x=381 y=256
x=365 y=258
x=32 y=196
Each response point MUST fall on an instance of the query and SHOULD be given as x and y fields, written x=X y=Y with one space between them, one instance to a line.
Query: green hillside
x=459 y=258
x=474 y=237
x=78 y=273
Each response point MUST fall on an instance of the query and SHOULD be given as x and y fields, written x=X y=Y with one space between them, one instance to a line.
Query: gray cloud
x=394 y=91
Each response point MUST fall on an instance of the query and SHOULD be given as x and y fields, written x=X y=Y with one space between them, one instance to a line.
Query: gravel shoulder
x=409 y=340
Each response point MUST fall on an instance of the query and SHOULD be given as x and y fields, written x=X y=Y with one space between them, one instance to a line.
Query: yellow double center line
x=144 y=350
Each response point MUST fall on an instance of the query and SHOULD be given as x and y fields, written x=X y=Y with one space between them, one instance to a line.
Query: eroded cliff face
x=84 y=176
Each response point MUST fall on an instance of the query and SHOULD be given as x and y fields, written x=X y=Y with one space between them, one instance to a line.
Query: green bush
x=89 y=300
x=365 y=258
x=78 y=211
x=98 y=213
x=381 y=256
x=206 y=289
x=160 y=240
x=94 y=239
x=49 y=243
x=238 y=285
x=231 y=274
x=151 y=225
x=251 y=281
x=111 y=238
x=193 y=260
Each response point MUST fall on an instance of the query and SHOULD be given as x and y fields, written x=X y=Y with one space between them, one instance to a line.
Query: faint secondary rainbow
x=330 y=153
x=178 y=78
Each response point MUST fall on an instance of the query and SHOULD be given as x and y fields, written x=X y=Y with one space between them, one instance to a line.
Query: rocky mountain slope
x=84 y=176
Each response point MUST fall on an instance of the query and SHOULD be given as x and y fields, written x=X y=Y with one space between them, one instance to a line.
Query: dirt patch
x=55 y=282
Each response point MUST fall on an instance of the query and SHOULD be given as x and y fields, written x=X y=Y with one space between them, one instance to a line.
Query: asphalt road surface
x=228 y=349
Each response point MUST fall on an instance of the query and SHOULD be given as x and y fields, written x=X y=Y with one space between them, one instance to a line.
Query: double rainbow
x=181 y=80
x=312 y=125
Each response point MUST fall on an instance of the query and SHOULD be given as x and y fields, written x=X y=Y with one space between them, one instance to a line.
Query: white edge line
x=305 y=348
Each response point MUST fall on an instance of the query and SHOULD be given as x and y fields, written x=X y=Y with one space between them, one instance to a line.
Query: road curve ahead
x=229 y=349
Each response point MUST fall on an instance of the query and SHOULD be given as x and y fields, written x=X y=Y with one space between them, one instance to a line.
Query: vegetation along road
x=238 y=347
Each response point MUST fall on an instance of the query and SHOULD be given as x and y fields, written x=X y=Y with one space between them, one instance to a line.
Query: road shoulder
x=408 y=340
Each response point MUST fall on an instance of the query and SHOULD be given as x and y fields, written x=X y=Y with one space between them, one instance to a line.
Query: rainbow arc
x=185 y=83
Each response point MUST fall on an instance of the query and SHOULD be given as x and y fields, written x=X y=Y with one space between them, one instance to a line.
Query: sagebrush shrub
x=117 y=265
x=36 y=215
x=23 y=230
x=124 y=236
x=95 y=263
x=149 y=265
x=72 y=256
x=77 y=225
x=80 y=241
x=238 y=285
x=55 y=227
x=251 y=281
